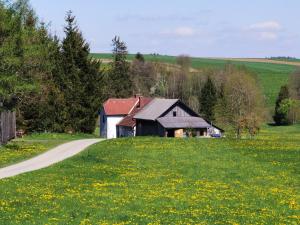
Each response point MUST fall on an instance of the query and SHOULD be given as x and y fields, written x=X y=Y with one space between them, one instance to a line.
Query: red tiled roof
x=113 y=107
x=126 y=106
x=129 y=121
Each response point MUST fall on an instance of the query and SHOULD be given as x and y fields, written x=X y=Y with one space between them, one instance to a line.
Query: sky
x=203 y=28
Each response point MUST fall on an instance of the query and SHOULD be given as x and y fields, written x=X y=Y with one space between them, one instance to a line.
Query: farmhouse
x=116 y=116
x=141 y=116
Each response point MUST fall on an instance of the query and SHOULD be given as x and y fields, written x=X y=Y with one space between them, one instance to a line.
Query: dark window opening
x=174 y=114
x=171 y=133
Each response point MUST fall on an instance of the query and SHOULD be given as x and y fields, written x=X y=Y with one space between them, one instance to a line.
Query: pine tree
x=281 y=118
x=208 y=100
x=43 y=109
x=80 y=81
x=119 y=77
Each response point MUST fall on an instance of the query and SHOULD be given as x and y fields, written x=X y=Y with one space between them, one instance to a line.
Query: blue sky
x=204 y=28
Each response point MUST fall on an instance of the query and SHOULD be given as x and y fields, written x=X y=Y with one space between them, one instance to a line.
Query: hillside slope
x=272 y=74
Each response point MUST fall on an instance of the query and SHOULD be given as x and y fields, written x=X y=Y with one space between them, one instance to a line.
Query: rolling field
x=271 y=75
x=165 y=181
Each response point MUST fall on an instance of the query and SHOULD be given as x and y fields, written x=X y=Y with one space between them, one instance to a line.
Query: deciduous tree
x=241 y=106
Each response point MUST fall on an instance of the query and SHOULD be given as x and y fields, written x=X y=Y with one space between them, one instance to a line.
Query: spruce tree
x=119 y=77
x=208 y=100
x=281 y=118
x=80 y=81
x=43 y=109
x=12 y=82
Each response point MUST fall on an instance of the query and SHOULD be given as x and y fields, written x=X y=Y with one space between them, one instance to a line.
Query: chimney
x=139 y=96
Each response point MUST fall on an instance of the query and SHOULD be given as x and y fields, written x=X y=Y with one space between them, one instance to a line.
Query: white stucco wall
x=112 y=122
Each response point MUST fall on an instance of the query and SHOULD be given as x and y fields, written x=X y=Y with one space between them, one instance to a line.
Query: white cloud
x=265 y=31
x=184 y=31
x=268 y=36
x=266 y=26
x=181 y=32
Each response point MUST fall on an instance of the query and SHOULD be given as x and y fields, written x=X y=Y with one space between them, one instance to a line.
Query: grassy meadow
x=32 y=145
x=271 y=76
x=165 y=181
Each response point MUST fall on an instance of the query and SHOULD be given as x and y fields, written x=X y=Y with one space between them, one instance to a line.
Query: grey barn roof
x=183 y=122
x=155 y=109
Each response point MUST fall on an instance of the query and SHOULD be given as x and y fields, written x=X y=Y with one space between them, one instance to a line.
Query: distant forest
x=284 y=58
x=54 y=85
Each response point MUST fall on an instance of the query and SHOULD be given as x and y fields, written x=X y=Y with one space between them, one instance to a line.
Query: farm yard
x=165 y=181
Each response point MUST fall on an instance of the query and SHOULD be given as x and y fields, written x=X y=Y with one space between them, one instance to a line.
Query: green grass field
x=165 y=181
x=29 y=146
x=271 y=76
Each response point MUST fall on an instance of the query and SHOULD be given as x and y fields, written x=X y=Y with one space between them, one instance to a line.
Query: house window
x=174 y=114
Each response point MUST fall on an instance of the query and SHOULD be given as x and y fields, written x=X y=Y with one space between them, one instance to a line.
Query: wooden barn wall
x=149 y=128
x=181 y=111
x=125 y=131
x=7 y=126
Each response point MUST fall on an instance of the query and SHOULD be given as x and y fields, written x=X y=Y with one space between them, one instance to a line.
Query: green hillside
x=271 y=76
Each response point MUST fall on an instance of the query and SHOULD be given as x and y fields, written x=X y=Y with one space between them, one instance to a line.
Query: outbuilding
x=172 y=118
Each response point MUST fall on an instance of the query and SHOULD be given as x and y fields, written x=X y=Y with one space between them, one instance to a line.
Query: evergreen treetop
x=120 y=82
x=208 y=99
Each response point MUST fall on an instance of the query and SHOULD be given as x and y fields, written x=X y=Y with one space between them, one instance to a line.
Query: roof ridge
x=133 y=107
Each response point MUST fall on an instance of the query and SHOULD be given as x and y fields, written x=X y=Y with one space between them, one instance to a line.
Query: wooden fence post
x=7 y=126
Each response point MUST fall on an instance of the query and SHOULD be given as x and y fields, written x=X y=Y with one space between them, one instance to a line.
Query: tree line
x=52 y=84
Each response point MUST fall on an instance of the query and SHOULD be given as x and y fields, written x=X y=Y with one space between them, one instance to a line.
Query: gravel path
x=48 y=158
